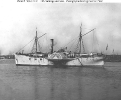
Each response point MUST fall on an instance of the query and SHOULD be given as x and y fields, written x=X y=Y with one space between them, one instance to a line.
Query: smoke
x=18 y=23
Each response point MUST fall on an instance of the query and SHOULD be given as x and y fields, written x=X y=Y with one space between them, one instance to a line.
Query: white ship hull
x=27 y=60
x=90 y=61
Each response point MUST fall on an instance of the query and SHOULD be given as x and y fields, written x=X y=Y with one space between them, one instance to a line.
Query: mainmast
x=80 y=38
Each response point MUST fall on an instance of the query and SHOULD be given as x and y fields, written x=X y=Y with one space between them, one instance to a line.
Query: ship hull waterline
x=24 y=60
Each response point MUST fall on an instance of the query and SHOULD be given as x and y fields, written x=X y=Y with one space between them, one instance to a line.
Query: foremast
x=36 y=44
x=36 y=40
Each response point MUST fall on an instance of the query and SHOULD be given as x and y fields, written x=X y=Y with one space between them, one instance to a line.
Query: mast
x=35 y=45
x=36 y=40
x=80 y=38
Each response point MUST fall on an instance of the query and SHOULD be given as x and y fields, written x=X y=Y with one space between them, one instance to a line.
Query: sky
x=61 y=21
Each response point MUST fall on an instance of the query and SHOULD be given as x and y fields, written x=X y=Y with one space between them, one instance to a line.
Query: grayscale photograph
x=60 y=51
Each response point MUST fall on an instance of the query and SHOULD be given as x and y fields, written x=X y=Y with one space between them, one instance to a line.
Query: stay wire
x=31 y=41
x=77 y=46
x=83 y=46
x=26 y=44
x=70 y=42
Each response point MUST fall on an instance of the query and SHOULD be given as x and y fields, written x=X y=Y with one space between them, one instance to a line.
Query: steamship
x=63 y=57
x=34 y=58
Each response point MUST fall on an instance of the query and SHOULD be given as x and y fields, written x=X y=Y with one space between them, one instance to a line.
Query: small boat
x=33 y=58
x=63 y=57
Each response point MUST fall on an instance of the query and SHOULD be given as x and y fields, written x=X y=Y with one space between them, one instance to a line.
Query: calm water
x=72 y=83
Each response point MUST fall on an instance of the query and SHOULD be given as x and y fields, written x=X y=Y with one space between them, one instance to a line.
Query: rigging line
x=83 y=46
x=96 y=41
x=47 y=45
x=31 y=41
x=26 y=44
x=41 y=36
x=71 y=45
x=33 y=48
x=93 y=42
x=77 y=45
x=71 y=41
x=29 y=47
x=39 y=47
x=88 y=32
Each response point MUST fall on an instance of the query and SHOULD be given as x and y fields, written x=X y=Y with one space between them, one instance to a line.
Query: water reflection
x=57 y=83
x=64 y=84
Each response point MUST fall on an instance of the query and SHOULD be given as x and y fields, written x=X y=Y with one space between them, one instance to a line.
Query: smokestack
x=52 y=44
